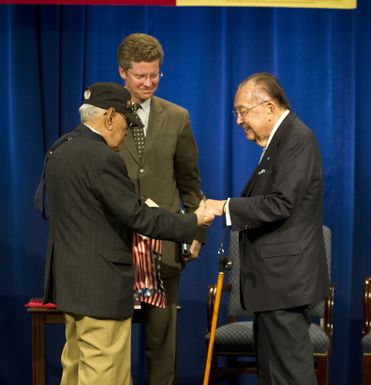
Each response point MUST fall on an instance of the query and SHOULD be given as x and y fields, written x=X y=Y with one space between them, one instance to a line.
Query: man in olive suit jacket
x=93 y=209
x=166 y=171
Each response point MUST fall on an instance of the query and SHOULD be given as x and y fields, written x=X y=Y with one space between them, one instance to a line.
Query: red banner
x=92 y=2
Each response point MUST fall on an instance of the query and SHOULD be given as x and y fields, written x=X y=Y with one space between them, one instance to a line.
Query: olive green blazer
x=168 y=171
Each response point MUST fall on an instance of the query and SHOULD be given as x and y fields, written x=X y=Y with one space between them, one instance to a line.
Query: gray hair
x=89 y=112
x=266 y=83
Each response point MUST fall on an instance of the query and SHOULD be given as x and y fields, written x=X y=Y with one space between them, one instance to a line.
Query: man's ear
x=272 y=108
x=122 y=72
x=109 y=117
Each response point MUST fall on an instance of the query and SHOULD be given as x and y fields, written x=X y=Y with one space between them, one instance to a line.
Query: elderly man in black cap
x=92 y=211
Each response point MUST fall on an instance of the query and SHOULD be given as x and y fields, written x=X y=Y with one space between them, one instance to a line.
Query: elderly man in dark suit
x=279 y=217
x=164 y=168
x=93 y=209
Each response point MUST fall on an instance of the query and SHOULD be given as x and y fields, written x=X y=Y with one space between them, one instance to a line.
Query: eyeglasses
x=143 y=77
x=242 y=113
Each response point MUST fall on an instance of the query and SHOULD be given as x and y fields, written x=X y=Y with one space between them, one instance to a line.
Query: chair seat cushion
x=235 y=337
x=321 y=342
x=366 y=343
x=238 y=337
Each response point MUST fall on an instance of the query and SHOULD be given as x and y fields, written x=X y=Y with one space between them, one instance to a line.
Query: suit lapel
x=269 y=153
x=130 y=145
x=250 y=183
x=260 y=168
x=156 y=117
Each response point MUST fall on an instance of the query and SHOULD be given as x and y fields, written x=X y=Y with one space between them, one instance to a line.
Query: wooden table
x=40 y=317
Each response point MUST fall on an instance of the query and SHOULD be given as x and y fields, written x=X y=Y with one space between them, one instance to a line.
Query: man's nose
x=148 y=81
x=239 y=119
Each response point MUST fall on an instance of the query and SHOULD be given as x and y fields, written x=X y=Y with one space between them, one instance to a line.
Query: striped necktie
x=138 y=133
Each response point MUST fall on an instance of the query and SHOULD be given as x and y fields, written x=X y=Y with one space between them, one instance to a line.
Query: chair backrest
x=234 y=305
x=317 y=310
x=366 y=328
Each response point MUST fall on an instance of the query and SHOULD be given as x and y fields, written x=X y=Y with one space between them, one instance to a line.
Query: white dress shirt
x=143 y=113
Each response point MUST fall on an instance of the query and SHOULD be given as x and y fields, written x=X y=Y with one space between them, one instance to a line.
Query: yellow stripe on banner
x=339 y=4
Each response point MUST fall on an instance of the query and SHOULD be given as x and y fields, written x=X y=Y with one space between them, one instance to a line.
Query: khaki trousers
x=96 y=352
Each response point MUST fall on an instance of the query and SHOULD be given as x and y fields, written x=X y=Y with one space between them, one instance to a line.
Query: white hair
x=89 y=112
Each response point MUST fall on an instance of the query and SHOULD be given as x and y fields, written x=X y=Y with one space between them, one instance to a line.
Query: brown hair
x=139 y=47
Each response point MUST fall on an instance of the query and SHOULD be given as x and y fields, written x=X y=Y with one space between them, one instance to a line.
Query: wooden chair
x=234 y=351
x=366 y=332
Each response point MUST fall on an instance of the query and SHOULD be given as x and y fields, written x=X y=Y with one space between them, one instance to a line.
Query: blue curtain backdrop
x=322 y=57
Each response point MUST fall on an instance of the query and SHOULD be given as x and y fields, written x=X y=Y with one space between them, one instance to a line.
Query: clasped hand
x=217 y=207
x=207 y=210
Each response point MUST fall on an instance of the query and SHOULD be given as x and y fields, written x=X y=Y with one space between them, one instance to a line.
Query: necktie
x=262 y=154
x=138 y=133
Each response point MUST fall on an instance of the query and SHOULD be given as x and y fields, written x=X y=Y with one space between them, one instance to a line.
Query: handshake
x=208 y=209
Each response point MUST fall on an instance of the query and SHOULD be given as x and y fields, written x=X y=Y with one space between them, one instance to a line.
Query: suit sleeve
x=294 y=176
x=116 y=192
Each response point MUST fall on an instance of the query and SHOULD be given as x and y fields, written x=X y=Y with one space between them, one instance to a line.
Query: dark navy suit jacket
x=93 y=208
x=279 y=216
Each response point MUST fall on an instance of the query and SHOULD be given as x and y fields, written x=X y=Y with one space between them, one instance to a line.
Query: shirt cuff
x=228 y=220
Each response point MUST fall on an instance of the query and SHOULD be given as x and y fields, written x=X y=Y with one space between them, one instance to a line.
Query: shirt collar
x=146 y=105
x=92 y=129
x=275 y=128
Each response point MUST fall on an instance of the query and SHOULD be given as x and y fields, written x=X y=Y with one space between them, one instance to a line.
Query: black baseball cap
x=106 y=95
